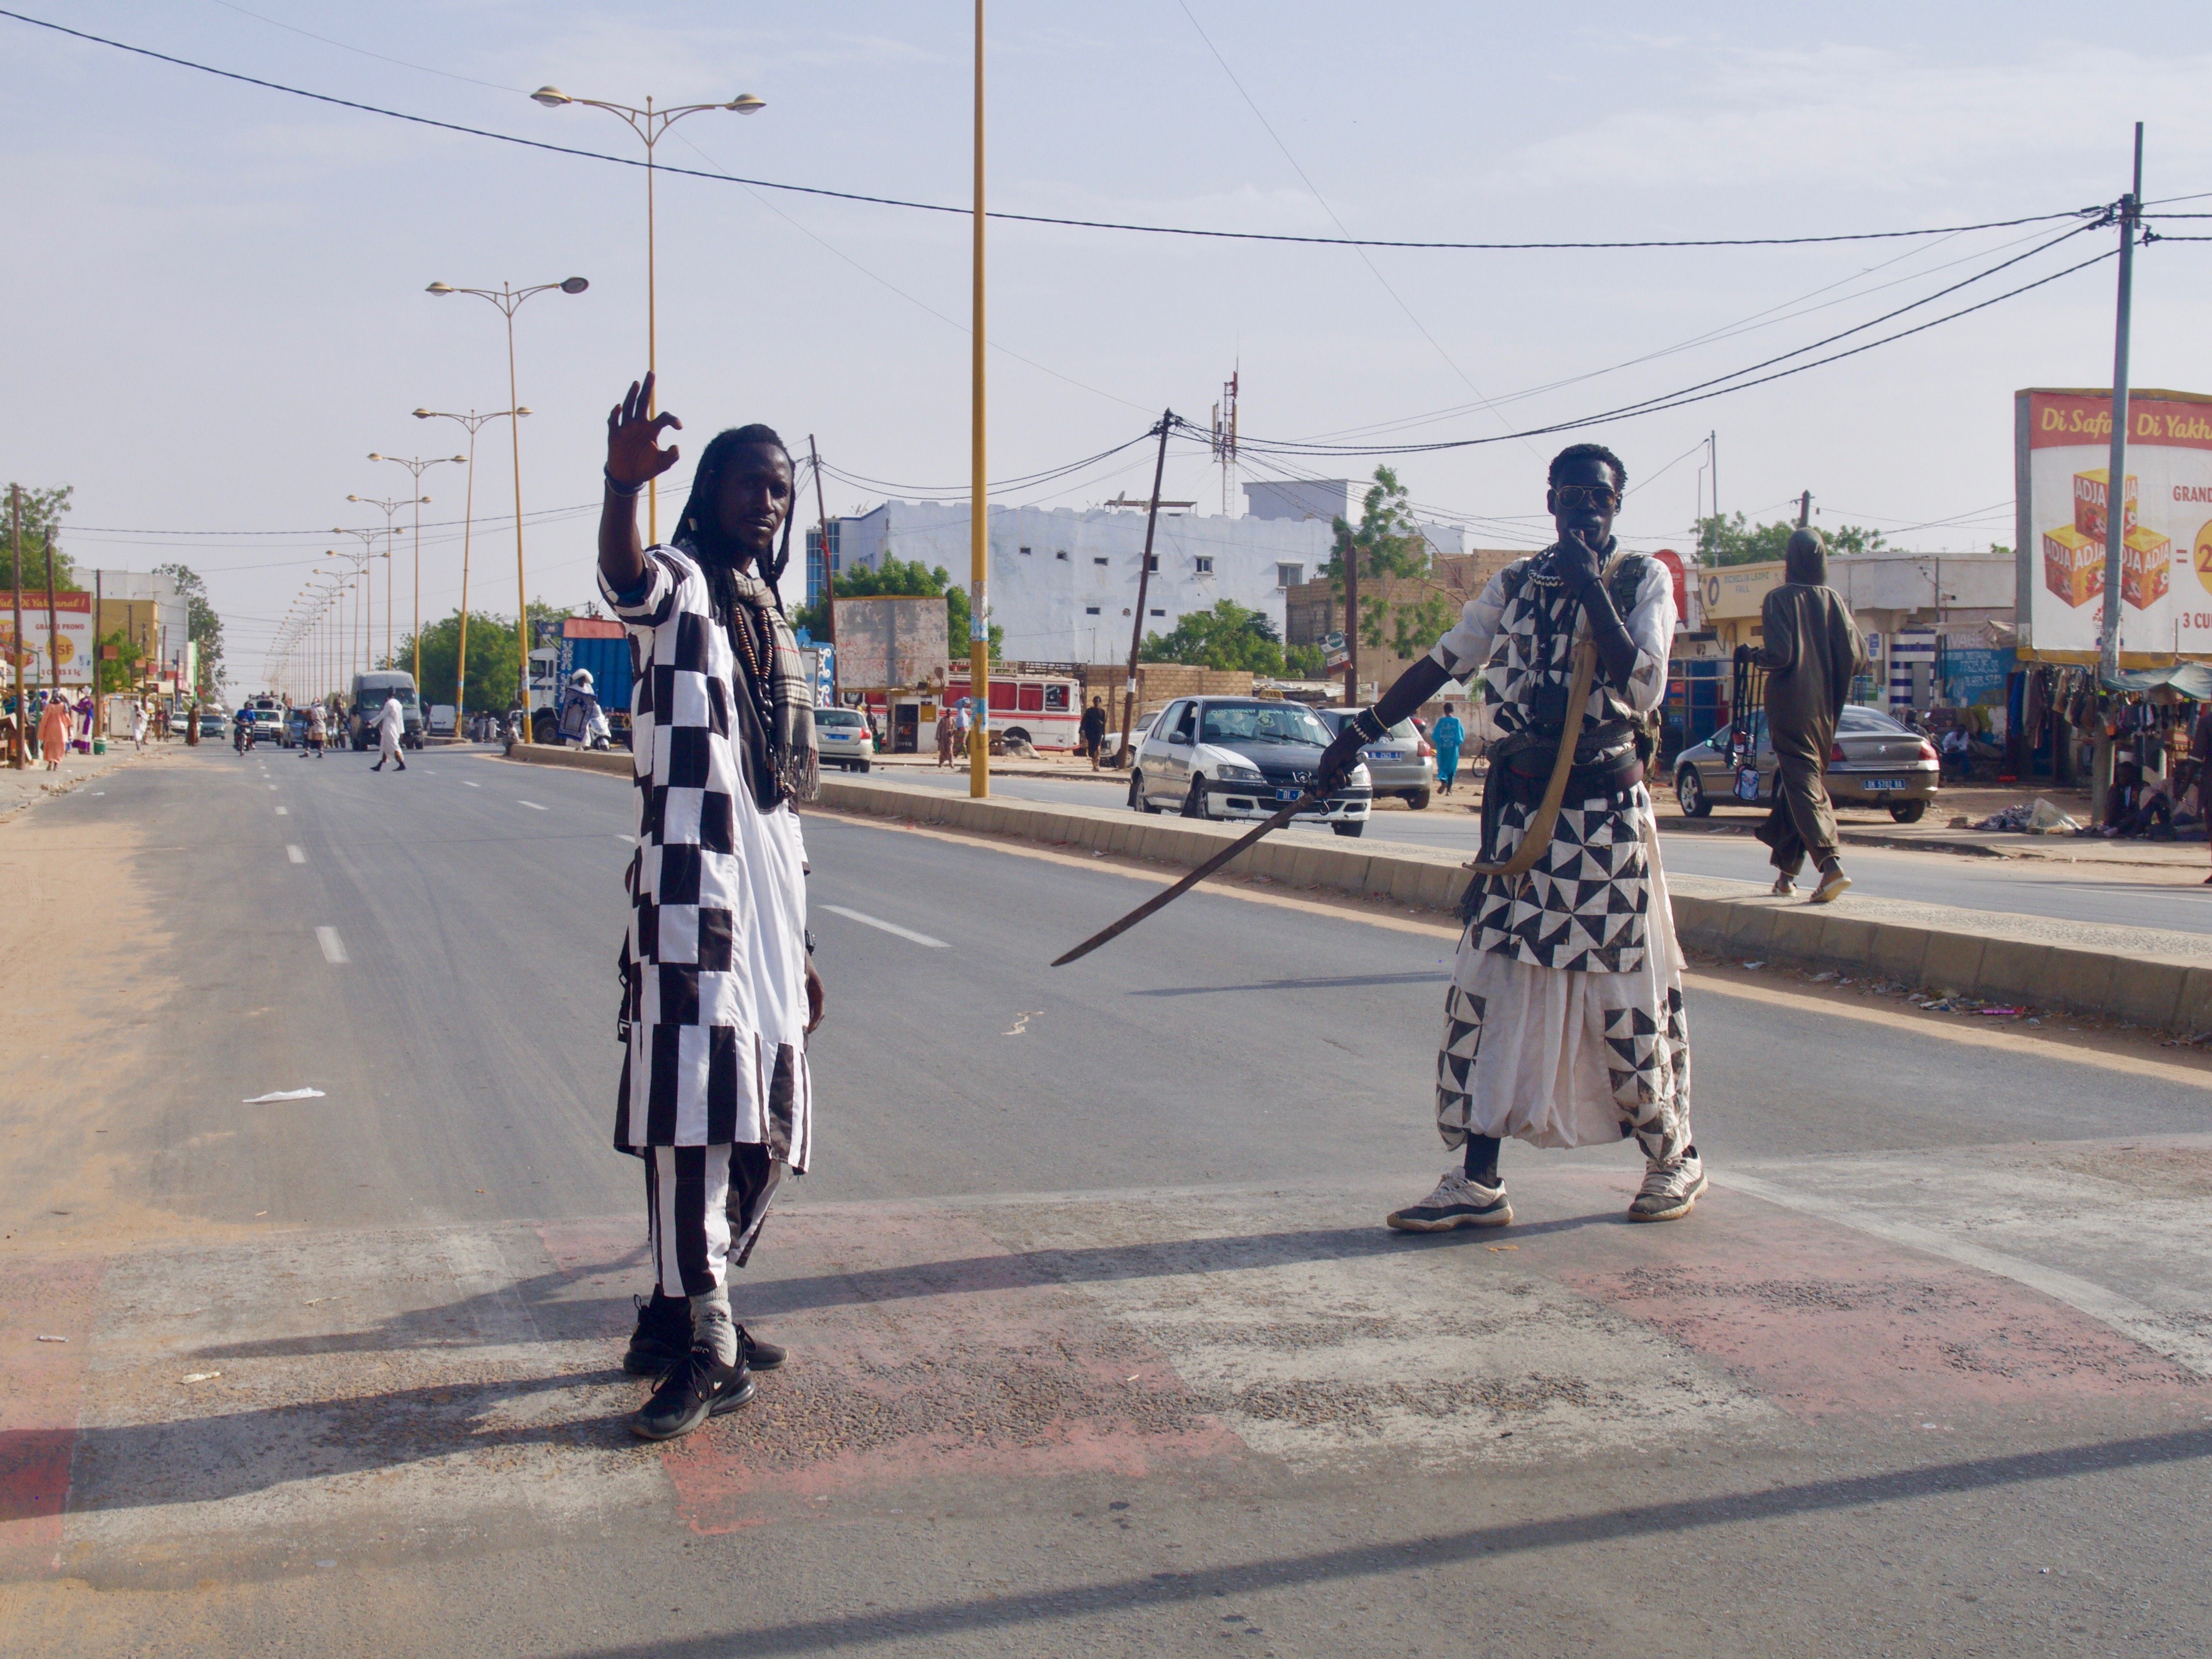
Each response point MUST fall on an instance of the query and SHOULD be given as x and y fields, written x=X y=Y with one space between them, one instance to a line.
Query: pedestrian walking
x=1094 y=730
x=1564 y=1022
x=945 y=728
x=1448 y=736
x=964 y=722
x=1811 y=651
x=54 y=733
x=319 y=731
x=720 y=993
x=391 y=721
x=138 y=725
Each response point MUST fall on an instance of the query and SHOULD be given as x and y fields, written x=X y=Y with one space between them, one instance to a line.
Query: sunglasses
x=1571 y=496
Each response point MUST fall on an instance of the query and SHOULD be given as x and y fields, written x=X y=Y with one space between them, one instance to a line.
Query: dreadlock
x=699 y=531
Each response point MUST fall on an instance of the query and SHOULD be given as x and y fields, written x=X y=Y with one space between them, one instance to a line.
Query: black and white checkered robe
x=715 y=956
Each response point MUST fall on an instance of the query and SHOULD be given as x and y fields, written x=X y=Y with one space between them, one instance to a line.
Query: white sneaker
x=1456 y=1202
x=1669 y=1189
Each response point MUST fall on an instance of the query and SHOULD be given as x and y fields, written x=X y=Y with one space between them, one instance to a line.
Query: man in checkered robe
x=718 y=994
x=1564 y=1022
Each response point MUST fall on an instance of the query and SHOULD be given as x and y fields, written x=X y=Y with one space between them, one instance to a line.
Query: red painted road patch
x=41 y=1384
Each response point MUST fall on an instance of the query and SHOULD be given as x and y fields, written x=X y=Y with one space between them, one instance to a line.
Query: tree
x=1731 y=541
x=42 y=511
x=1228 y=636
x=120 y=671
x=911 y=579
x=1304 y=662
x=1389 y=543
x=492 y=666
x=201 y=621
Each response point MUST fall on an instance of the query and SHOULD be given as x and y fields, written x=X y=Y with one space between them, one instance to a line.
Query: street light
x=509 y=300
x=471 y=420
x=649 y=123
x=390 y=507
x=418 y=466
x=364 y=606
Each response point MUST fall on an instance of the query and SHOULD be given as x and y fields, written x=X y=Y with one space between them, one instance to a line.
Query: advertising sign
x=893 y=640
x=2062 y=444
x=71 y=646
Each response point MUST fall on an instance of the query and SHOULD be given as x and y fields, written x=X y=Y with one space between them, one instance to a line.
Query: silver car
x=1875 y=762
x=843 y=737
x=1403 y=765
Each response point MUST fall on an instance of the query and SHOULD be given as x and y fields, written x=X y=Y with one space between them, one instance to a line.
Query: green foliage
x=119 y=672
x=1388 y=543
x=1227 y=636
x=1730 y=540
x=42 y=515
x=200 y=619
x=902 y=578
x=1304 y=662
x=493 y=668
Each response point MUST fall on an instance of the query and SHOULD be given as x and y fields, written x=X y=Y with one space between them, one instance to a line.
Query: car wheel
x=1691 y=793
x=1909 y=811
x=1193 y=804
x=1350 y=826
x=1137 y=801
x=1418 y=799
x=860 y=766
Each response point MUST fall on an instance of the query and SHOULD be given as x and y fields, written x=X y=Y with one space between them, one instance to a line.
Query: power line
x=1037 y=218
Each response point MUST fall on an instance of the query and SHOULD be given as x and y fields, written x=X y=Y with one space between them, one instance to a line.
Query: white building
x=1063 y=583
x=169 y=642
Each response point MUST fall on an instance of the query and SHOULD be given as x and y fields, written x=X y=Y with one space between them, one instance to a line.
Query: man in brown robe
x=1811 y=653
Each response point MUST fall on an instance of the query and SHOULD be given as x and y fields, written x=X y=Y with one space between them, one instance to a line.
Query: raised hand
x=634 y=454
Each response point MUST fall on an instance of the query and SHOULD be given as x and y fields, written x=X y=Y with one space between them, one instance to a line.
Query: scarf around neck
x=781 y=690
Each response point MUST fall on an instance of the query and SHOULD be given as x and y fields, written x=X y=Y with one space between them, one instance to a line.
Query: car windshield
x=1856 y=718
x=835 y=717
x=1261 y=722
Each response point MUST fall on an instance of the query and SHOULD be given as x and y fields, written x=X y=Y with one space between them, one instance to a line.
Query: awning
x=2192 y=680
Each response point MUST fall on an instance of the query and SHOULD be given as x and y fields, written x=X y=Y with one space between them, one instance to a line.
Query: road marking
x=2154 y=1329
x=531 y=805
x=866 y=921
x=291 y=851
x=283 y=812
x=632 y=840
x=472 y=783
x=334 y=950
x=272 y=788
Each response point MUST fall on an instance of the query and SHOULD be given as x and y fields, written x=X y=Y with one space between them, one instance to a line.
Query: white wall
x=1043 y=600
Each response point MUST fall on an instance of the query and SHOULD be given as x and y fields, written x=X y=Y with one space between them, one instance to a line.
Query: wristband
x=1370 y=729
x=627 y=492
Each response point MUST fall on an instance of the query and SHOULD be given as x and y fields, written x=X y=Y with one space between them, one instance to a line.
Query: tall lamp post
x=649 y=123
x=390 y=507
x=509 y=300
x=472 y=422
x=366 y=606
x=418 y=466
x=363 y=608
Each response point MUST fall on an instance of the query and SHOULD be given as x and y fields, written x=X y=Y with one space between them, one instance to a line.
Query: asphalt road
x=2070 y=894
x=1812 y=1419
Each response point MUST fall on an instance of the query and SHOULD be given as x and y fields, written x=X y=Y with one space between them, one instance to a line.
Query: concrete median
x=2143 y=976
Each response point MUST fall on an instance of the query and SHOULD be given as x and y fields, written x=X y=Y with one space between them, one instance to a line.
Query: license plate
x=1288 y=794
x=1884 y=783
x=1382 y=753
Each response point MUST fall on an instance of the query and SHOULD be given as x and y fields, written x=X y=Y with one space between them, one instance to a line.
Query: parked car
x=1875 y=762
x=1404 y=764
x=1241 y=757
x=214 y=723
x=1110 y=745
x=844 y=738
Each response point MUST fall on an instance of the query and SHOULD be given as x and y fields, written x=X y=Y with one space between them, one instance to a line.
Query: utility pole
x=17 y=757
x=2116 y=479
x=1805 y=510
x=829 y=574
x=53 y=628
x=979 y=489
x=1144 y=586
x=1352 y=620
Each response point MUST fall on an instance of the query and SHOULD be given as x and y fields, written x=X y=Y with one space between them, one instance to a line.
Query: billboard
x=70 y=642
x=2066 y=510
x=891 y=640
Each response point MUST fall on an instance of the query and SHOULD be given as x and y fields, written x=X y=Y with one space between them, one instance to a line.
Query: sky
x=215 y=302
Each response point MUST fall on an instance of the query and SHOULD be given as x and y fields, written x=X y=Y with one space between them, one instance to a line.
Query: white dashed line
x=283 y=812
x=472 y=783
x=293 y=852
x=887 y=927
x=632 y=840
x=272 y=788
x=531 y=805
x=334 y=950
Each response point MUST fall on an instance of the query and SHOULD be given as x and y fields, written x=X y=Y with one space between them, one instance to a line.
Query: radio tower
x=1224 y=442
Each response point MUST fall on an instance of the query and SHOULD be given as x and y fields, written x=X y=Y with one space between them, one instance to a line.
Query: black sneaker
x=761 y=1355
x=700 y=1386
x=1458 y=1202
x=663 y=1335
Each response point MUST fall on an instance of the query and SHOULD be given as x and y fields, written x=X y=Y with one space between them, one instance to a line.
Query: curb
x=2129 y=975
x=1958 y=952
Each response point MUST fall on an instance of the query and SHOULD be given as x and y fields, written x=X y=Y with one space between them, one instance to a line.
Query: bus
x=1038 y=703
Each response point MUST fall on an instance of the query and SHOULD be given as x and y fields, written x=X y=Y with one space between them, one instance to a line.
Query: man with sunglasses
x=1564 y=1022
